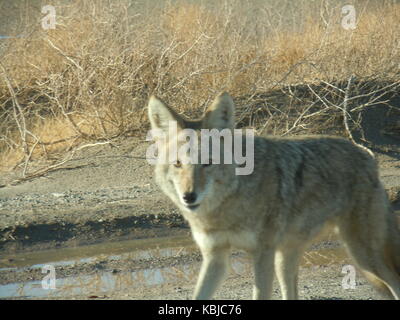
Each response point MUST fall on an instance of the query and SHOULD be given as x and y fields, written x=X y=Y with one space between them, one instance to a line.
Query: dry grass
x=90 y=78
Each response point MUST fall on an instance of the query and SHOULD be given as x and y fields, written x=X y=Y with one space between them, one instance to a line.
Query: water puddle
x=139 y=246
x=144 y=251
x=98 y=283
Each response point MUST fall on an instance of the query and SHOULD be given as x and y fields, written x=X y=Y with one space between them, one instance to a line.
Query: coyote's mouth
x=192 y=206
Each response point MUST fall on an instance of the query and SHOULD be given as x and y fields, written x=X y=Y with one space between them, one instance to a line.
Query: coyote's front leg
x=213 y=270
x=263 y=260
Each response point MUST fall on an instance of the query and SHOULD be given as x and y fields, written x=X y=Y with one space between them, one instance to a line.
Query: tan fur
x=298 y=186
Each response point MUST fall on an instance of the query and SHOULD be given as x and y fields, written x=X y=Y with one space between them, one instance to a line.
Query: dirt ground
x=107 y=193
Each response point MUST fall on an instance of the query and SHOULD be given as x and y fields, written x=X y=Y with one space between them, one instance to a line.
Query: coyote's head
x=187 y=170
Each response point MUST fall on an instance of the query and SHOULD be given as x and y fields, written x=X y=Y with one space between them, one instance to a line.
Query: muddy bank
x=105 y=194
x=92 y=226
x=80 y=218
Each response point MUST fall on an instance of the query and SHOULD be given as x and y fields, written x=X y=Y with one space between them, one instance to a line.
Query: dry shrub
x=90 y=78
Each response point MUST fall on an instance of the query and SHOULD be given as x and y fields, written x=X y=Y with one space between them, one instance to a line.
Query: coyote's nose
x=189 y=197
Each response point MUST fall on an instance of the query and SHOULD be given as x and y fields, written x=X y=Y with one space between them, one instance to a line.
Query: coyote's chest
x=242 y=239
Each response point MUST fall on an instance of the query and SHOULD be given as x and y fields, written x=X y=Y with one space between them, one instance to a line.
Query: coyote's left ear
x=161 y=115
x=221 y=114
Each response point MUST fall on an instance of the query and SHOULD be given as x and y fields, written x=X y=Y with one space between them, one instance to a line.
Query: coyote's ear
x=161 y=115
x=221 y=114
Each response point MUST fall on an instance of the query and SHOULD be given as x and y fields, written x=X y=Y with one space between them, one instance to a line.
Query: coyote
x=298 y=187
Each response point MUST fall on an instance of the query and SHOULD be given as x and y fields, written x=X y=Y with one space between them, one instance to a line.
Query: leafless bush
x=287 y=64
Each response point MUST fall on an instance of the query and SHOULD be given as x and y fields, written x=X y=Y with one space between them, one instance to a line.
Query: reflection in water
x=108 y=281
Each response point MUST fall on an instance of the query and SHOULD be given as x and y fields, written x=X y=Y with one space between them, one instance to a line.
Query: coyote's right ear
x=161 y=115
x=221 y=113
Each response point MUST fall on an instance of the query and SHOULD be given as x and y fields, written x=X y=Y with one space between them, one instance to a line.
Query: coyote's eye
x=178 y=164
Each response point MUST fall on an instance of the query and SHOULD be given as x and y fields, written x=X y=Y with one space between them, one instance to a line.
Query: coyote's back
x=297 y=187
